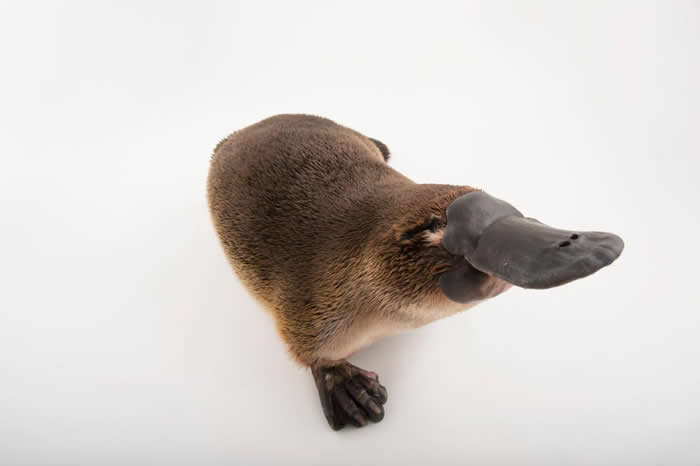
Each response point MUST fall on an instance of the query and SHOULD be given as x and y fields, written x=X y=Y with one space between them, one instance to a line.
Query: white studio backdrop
x=125 y=339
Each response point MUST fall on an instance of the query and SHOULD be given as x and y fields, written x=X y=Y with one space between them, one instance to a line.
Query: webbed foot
x=349 y=395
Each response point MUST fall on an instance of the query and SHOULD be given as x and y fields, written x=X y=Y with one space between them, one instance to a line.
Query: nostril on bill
x=574 y=236
x=564 y=244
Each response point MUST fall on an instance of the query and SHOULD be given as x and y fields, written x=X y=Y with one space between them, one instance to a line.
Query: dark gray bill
x=498 y=240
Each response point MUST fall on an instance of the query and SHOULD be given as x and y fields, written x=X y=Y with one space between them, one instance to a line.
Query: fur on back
x=323 y=232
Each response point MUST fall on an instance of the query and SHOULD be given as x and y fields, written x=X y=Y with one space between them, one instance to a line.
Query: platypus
x=342 y=249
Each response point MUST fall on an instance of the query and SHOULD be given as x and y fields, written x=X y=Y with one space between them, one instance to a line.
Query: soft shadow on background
x=126 y=339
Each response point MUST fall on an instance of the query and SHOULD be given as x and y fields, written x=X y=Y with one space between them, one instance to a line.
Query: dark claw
x=373 y=408
x=349 y=395
x=376 y=389
x=348 y=406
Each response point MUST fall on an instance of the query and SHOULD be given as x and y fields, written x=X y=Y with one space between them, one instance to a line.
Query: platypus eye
x=434 y=224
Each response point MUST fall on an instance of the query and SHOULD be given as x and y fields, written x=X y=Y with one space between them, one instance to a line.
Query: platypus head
x=476 y=246
x=495 y=239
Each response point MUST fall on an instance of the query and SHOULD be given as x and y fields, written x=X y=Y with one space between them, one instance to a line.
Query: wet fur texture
x=327 y=236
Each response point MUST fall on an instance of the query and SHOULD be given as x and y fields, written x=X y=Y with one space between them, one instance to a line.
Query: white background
x=125 y=339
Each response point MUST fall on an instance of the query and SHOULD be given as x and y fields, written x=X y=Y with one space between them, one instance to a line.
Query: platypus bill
x=343 y=250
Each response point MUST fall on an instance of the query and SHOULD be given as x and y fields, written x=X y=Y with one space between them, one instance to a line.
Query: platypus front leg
x=349 y=395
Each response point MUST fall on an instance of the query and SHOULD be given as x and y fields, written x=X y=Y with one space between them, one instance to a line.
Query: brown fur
x=323 y=232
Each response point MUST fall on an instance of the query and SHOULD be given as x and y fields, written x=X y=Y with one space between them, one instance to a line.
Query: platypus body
x=344 y=250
